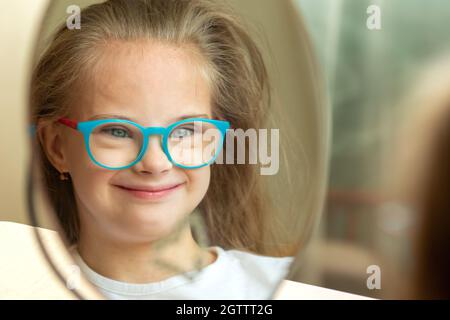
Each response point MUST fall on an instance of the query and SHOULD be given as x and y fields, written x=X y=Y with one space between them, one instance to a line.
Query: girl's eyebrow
x=109 y=116
x=204 y=115
x=117 y=116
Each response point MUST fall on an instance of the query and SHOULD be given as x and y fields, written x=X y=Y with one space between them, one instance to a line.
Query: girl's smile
x=150 y=193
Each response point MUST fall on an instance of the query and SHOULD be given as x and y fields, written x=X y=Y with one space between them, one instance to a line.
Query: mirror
x=167 y=169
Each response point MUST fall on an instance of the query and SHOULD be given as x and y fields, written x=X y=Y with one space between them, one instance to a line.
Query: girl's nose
x=154 y=160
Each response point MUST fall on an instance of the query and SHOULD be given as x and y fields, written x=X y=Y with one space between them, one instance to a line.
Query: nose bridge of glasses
x=158 y=131
x=154 y=130
x=148 y=132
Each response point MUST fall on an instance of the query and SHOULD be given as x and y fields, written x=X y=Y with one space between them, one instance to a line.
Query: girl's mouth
x=150 y=193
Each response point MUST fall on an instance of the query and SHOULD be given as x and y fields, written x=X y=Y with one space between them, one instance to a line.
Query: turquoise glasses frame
x=86 y=128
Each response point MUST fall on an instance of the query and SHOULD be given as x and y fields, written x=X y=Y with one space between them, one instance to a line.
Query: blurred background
x=373 y=80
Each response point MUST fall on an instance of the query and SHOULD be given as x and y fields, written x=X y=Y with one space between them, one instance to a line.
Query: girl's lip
x=149 y=188
x=150 y=193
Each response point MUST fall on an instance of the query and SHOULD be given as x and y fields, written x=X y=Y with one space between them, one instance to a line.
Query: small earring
x=62 y=176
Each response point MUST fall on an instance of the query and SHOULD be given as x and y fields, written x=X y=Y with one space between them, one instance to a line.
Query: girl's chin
x=151 y=220
x=146 y=231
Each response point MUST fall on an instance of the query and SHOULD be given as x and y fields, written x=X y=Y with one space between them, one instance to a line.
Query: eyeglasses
x=119 y=144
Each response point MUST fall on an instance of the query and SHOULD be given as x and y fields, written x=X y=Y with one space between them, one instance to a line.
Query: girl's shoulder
x=255 y=276
x=257 y=264
x=249 y=258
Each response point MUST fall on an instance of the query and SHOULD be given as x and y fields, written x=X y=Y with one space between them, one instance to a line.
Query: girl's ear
x=50 y=138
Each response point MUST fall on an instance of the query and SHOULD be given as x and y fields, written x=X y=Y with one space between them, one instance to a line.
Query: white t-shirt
x=234 y=274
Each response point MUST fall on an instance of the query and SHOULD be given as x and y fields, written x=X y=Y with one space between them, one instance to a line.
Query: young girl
x=118 y=105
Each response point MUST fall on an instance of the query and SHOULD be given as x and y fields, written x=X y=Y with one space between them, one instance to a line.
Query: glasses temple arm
x=69 y=123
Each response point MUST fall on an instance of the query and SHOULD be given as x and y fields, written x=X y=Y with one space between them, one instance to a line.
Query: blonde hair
x=236 y=204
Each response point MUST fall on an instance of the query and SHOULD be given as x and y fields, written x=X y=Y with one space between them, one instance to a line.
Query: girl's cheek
x=77 y=152
x=81 y=167
x=200 y=178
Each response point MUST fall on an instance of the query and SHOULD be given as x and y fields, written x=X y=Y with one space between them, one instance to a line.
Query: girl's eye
x=117 y=132
x=182 y=133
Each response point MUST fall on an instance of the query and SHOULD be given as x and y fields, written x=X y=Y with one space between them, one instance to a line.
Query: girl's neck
x=144 y=262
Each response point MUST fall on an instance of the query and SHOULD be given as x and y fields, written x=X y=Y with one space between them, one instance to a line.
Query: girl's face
x=154 y=85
